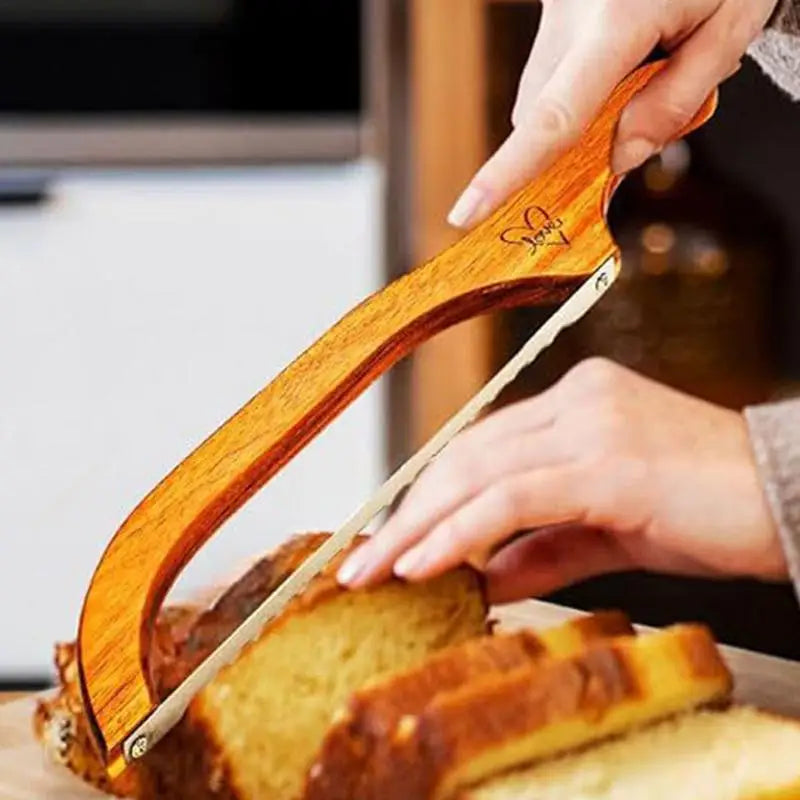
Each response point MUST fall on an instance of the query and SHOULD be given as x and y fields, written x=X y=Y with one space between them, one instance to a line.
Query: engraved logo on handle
x=540 y=230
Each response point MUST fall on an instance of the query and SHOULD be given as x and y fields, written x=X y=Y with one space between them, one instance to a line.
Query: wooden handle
x=537 y=249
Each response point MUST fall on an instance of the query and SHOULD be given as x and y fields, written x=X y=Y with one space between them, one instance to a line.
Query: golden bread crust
x=363 y=734
x=543 y=708
x=210 y=628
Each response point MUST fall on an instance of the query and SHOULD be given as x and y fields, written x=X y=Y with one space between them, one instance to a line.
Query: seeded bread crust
x=362 y=734
x=189 y=761
x=540 y=710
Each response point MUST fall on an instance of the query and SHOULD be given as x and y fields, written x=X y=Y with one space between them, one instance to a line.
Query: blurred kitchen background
x=191 y=191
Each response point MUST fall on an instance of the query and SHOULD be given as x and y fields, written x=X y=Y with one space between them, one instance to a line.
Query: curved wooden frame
x=538 y=248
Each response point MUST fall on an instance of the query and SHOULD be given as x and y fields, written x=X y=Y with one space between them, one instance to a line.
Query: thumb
x=565 y=106
x=551 y=559
x=522 y=155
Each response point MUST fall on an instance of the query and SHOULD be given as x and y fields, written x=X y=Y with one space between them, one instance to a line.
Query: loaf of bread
x=254 y=730
x=401 y=693
x=504 y=720
x=362 y=735
x=737 y=754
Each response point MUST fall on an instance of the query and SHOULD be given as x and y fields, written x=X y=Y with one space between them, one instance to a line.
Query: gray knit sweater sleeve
x=777 y=50
x=775 y=436
x=775 y=429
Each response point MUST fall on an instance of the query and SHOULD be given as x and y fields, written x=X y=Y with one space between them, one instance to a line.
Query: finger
x=552 y=42
x=551 y=559
x=565 y=106
x=534 y=413
x=658 y=113
x=527 y=415
x=448 y=484
x=548 y=496
x=459 y=476
x=372 y=562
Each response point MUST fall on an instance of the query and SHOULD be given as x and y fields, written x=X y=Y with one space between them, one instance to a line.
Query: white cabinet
x=137 y=312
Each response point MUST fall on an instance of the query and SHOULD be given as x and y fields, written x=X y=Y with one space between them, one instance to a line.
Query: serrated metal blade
x=167 y=714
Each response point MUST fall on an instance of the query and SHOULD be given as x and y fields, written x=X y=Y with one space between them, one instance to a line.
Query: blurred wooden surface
x=8 y=697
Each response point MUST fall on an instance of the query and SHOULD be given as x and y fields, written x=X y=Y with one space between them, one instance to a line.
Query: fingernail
x=467 y=207
x=629 y=155
x=411 y=563
x=352 y=568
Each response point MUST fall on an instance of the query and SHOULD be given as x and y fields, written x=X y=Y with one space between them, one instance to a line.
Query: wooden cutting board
x=25 y=774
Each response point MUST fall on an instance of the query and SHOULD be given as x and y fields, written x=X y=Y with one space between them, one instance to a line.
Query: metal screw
x=139 y=746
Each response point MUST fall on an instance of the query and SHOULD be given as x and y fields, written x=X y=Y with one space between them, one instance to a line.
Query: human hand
x=584 y=48
x=610 y=471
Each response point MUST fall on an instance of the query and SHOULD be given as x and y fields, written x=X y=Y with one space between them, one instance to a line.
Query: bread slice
x=542 y=709
x=253 y=731
x=738 y=754
x=362 y=732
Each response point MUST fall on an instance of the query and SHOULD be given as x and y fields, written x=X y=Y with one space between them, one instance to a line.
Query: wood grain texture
x=538 y=248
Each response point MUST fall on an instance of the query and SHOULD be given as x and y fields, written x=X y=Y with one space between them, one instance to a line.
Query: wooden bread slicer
x=548 y=244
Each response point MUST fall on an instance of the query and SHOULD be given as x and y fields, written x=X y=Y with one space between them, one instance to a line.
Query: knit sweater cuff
x=775 y=435
x=777 y=50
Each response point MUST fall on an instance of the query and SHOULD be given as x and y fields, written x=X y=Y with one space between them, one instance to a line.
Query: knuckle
x=556 y=119
x=506 y=498
x=448 y=532
x=597 y=374
x=673 y=115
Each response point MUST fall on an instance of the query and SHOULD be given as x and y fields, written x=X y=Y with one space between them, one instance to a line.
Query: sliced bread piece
x=253 y=731
x=362 y=731
x=539 y=710
x=738 y=754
